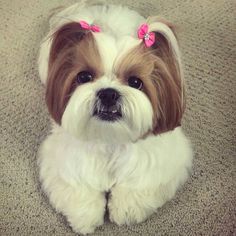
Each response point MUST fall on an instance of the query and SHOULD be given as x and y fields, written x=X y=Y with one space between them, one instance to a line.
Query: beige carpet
x=206 y=205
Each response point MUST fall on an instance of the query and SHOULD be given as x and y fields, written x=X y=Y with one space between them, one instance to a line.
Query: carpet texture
x=206 y=205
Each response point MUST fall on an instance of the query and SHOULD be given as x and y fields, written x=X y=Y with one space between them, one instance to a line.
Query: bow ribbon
x=87 y=26
x=147 y=37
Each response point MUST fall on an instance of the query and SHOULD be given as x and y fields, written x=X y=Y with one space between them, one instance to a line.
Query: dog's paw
x=128 y=208
x=85 y=224
x=85 y=220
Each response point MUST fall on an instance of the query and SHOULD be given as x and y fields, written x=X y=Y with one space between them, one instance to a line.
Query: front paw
x=87 y=218
x=83 y=225
x=126 y=207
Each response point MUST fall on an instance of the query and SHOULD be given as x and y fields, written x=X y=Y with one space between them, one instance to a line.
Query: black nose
x=108 y=96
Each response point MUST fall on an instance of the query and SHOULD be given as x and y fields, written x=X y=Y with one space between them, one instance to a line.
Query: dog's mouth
x=108 y=113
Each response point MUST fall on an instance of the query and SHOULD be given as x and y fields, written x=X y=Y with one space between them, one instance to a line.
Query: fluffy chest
x=99 y=165
x=94 y=164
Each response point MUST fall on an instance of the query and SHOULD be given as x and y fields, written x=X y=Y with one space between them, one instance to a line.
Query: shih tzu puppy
x=115 y=93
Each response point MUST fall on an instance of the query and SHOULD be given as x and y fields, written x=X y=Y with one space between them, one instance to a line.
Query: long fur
x=141 y=159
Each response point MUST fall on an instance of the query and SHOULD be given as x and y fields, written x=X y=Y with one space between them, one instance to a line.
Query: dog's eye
x=84 y=77
x=135 y=82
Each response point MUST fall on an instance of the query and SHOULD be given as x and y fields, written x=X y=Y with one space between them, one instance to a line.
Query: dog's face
x=114 y=90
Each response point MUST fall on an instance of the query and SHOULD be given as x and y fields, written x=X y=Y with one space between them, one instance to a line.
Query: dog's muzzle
x=107 y=106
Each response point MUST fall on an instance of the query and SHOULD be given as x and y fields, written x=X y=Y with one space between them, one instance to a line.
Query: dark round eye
x=135 y=82
x=84 y=77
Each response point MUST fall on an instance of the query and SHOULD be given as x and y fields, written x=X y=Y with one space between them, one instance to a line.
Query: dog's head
x=115 y=89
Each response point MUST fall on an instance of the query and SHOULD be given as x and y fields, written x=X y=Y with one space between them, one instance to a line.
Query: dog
x=115 y=93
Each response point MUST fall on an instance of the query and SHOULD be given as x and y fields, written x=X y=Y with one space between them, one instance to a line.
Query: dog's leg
x=128 y=206
x=84 y=207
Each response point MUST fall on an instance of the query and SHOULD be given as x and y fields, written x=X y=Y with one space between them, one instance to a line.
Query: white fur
x=44 y=58
x=85 y=157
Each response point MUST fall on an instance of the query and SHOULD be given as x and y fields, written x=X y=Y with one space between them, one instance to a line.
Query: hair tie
x=87 y=26
x=147 y=37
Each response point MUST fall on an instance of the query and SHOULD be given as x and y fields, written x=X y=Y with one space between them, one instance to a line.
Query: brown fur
x=73 y=50
x=160 y=73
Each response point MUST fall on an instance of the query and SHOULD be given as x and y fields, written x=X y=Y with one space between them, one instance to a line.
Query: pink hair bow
x=87 y=26
x=147 y=37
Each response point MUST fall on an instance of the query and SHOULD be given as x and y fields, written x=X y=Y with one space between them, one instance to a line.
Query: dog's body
x=89 y=153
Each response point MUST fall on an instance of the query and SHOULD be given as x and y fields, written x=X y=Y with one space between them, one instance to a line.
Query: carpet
x=206 y=205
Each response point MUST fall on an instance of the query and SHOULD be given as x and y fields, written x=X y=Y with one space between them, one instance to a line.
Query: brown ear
x=167 y=78
x=69 y=54
x=60 y=67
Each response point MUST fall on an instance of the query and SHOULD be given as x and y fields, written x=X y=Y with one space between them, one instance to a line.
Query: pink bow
x=148 y=37
x=91 y=27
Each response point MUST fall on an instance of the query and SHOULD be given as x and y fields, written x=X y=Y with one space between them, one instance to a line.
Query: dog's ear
x=64 y=38
x=167 y=77
x=62 y=57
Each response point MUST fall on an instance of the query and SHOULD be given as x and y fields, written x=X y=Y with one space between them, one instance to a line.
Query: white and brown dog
x=115 y=91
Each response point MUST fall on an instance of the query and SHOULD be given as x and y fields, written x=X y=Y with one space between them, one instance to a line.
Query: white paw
x=128 y=208
x=85 y=224
x=87 y=218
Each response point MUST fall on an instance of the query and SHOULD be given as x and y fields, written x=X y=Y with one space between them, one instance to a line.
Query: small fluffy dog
x=115 y=92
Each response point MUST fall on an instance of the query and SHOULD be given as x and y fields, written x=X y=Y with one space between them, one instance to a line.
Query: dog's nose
x=108 y=96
